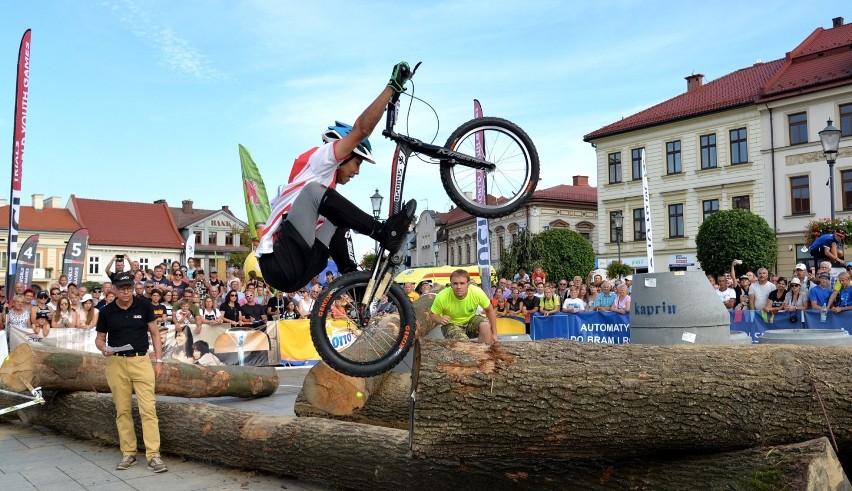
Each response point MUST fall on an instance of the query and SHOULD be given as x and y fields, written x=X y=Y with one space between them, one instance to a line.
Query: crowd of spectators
x=806 y=288
x=185 y=296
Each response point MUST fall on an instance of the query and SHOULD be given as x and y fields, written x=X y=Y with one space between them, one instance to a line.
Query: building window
x=710 y=206
x=94 y=266
x=846 y=120
x=798 y=128
x=460 y=254
x=212 y=238
x=3 y=261
x=739 y=146
x=143 y=263
x=673 y=157
x=676 y=220
x=846 y=186
x=614 y=167
x=708 y=151
x=229 y=239
x=636 y=163
x=613 y=233
x=501 y=244
x=38 y=260
x=800 y=195
x=639 y=224
x=197 y=235
x=741 y=203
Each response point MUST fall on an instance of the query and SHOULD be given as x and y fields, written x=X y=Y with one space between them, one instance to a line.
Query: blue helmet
x=339 y=130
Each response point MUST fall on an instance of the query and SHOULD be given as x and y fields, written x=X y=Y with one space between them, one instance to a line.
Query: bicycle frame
x=405 y=146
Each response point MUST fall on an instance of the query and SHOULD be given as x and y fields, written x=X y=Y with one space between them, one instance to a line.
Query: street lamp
x=618 y=221
x=830 y=139
x=437 y=246
x=376 y=201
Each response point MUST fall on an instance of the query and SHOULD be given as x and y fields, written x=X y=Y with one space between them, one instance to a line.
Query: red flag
x=19 y=138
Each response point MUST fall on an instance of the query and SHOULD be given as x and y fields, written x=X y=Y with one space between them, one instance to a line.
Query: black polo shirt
x=127 y=326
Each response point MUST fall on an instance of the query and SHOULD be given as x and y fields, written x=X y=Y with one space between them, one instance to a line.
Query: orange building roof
x=821 y=61
x=43 y=220
x=124 y=223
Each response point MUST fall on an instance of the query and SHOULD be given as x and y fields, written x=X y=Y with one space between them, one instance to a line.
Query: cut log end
x=16 y=373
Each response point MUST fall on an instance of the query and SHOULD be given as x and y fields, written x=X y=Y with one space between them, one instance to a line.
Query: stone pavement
x=33 y=457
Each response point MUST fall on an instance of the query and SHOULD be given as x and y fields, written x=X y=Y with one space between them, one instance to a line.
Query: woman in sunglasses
x=230 y=309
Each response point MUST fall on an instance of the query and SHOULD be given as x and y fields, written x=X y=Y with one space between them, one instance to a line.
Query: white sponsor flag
x=649 y=239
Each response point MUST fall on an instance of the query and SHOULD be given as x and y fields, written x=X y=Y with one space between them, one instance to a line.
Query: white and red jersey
x=316 y=165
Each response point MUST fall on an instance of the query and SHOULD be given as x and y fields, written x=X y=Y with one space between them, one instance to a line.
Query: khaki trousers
x=126 y=375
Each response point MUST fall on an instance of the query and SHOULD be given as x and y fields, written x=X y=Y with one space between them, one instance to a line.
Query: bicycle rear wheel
x=363 y=342
x=514 y=178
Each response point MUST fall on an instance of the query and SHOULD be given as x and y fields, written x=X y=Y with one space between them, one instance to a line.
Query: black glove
x=400 y=75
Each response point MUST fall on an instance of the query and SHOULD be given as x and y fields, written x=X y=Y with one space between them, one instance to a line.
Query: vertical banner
x=26 y=263
x=483 y=243
x=190 y=249
x=254 y=192
x=22 y=92
x=74 y=258
x=646 y=197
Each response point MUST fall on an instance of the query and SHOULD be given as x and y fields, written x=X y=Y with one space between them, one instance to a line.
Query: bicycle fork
x=382 y=274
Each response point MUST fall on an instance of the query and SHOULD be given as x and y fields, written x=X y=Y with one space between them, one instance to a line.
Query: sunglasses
x=233 y=295
x=795 y=286
x=178 y=274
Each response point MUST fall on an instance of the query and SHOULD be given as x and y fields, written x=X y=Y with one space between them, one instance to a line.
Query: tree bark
x=329 y=394
x=563 y=399
x=357 y=456
x=67 y=370
x=422 y=306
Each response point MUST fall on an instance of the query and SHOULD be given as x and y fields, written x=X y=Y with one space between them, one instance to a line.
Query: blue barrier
x=587 y=327
x=613 y=328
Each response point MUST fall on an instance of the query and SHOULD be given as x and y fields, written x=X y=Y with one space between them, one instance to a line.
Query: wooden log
x=328 y=394
x=422 y=306
x=563 y=399
x=67 y=370
x=357 y=456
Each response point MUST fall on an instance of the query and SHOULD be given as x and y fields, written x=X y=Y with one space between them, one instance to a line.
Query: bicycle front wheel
x=514 y=178
x=355 y=338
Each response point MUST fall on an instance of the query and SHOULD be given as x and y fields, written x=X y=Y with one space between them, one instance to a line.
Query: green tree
x=239 y=258
x=735 y=234
x=617 y=269
x=561 y=253
x=368 y=260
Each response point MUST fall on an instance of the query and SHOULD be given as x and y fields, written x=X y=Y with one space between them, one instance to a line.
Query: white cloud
x=176 y=52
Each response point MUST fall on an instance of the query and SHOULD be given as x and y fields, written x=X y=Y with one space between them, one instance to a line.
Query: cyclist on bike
x=310 y=218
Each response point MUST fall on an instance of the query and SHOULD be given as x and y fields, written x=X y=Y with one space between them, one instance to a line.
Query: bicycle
x=369 y=342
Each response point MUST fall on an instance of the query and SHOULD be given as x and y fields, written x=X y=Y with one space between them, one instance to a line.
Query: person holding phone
x=119 y=261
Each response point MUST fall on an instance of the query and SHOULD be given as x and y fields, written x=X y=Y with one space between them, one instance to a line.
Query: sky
x=140 y=100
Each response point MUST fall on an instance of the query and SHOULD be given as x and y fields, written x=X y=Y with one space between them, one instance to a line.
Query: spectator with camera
x=118 y=261
x=742 y=292
x=795 y=299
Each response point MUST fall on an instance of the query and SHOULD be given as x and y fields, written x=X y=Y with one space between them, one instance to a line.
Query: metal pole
x=618 y=236
x=831 y=185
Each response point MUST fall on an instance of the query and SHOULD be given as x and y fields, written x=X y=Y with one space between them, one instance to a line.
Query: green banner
x=254 y=192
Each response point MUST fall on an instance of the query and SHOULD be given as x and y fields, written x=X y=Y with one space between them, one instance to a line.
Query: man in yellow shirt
x=455 y=309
